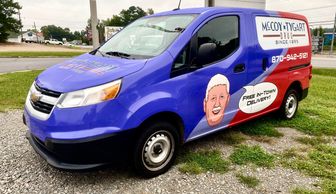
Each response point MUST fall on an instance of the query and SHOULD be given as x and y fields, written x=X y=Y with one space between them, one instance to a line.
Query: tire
x=162 y=139
x=289 y=105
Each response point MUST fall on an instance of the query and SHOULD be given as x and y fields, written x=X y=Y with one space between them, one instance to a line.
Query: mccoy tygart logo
x=276 y=33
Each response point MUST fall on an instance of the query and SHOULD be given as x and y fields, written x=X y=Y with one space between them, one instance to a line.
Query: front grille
x=47 y=92
x=48 y=100
x=42 y=106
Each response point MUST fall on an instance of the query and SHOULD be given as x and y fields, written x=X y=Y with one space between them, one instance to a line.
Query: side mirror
x=206 y=53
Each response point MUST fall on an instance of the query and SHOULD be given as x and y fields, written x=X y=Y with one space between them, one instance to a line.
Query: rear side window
x=224 y=32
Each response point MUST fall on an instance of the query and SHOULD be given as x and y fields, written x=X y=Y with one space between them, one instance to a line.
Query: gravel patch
x=280 y=144
x=23 y=171
x=279 y=180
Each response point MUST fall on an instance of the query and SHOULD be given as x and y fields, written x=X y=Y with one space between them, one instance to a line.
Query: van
x=167 y=79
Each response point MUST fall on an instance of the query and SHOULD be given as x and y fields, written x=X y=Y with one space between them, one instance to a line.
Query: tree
x=150 y=11
x=315 y=31
x=56 y=32
x=8 y=23
x=77 y=35
x=124 y=18
x=131 y=14
x=114 y=21
x=101 y=31
x=127 y=16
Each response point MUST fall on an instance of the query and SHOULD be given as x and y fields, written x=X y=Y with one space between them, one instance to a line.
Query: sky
x=74 y=13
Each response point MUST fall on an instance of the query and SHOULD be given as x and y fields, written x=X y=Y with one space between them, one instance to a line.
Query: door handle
x=239 y=68
x=264 y=64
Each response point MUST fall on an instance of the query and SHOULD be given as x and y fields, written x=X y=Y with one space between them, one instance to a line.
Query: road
x=324 y=62
x=21 y=64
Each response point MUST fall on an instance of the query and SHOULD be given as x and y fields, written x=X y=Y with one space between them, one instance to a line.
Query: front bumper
x=83 y=154
x=78 y=123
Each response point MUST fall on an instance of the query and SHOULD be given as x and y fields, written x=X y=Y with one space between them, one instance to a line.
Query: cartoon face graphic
x=216 y=99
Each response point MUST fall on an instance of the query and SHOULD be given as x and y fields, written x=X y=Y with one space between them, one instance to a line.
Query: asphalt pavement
x=22 y=64
x=324 y=62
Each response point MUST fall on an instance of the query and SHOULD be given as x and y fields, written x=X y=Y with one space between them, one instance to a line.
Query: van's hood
x=86 y=71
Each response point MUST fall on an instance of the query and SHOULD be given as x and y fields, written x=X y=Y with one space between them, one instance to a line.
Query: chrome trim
x=46 y=99
x=49 y=100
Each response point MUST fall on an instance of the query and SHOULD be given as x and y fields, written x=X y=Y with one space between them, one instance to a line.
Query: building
x=328 y=38
x=30 y=36
x=259 y=4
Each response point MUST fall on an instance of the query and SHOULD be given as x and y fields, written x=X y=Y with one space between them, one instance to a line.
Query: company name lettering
x=283 y=26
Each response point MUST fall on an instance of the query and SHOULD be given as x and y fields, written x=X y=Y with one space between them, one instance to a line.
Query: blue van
x=167 y=79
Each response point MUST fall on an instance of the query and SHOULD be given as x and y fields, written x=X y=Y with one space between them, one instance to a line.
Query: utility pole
x=21 y=24
x=209 y=3
x=36 y=33
x=94 y=23
x=333 y=37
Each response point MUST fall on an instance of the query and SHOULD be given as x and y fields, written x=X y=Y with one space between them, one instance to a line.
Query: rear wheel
x=156 y=148
x=289 y=105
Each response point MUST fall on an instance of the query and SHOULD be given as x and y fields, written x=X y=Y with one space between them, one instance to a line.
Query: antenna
x=179 y=4
x=178 y=7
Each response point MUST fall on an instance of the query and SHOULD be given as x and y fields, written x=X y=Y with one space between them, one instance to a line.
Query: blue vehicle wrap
x=148 y=89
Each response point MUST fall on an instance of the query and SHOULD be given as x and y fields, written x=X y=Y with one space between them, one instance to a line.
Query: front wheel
x=155 y=150
x=289 y=105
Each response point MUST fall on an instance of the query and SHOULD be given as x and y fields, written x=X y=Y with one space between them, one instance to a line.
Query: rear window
x=277 y=33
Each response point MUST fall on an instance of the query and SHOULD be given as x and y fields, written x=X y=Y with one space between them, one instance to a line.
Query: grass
x=320 y=162
x=314 y=141
x=230 y=137
x=203 y=161
x=41 y=54
x=302 y=191
x=249 y=181
x=324 y=72
x=317 y=113
x=260 y=127
x=14 y=88
x=263 y=139
x=244 y=154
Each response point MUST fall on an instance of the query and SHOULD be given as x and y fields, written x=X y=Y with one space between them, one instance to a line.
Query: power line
x=328 y=24
x=47 y=19
x=322 y=21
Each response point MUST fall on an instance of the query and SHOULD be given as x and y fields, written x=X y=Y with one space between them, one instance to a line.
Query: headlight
x=90 y=96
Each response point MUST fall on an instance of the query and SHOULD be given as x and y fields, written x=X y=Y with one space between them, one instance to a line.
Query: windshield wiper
x=101 y=53
x=118 y=54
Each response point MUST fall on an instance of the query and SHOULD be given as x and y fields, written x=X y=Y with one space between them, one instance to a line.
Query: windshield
x=146 y=37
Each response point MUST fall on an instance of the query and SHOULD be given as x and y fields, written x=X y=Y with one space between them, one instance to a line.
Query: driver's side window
x=215 y=41
x=223 y=34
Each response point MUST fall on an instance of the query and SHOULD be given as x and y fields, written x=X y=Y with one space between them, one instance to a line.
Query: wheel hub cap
x=158 y=150
x=291 y=105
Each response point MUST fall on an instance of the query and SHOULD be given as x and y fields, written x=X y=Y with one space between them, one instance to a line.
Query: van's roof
x=215 y=10
x=200 y=10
